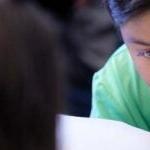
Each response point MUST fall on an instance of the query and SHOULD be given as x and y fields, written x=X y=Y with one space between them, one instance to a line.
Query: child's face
x=136 y=35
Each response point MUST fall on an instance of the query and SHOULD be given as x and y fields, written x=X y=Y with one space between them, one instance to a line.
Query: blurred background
x=88 y=39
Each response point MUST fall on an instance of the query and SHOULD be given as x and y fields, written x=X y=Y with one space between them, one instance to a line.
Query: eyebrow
x=138 y=41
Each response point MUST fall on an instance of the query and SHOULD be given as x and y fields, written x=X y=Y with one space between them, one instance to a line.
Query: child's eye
x=144 y=53
x=147 y=54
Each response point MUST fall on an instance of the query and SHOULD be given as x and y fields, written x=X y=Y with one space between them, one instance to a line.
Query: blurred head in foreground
x=29 y=81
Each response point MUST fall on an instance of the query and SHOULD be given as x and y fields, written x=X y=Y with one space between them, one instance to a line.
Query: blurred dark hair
x=61 y=9
x=29 y=81
x=123 y=10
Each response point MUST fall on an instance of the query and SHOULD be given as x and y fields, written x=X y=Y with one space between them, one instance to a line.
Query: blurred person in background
x=89 y=37
x=30 y=79
x=91 y=40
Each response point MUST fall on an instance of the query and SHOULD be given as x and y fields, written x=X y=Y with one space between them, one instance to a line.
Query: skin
x=136 y=35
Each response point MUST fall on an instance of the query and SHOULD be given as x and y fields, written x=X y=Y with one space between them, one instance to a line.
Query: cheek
x=142 y=65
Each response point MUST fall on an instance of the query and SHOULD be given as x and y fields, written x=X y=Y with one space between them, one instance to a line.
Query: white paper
x=77 y=133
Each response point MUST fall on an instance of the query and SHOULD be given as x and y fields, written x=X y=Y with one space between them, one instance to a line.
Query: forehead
x=137 y=28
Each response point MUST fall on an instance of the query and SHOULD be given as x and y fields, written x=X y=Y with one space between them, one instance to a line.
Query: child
x=121 y=89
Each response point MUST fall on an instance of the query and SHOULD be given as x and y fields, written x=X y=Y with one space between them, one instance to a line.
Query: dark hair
x=29 y=81
x=123 y=10
x=61 y=9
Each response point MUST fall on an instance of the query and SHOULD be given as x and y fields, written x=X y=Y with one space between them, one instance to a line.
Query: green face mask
x=119 y=93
